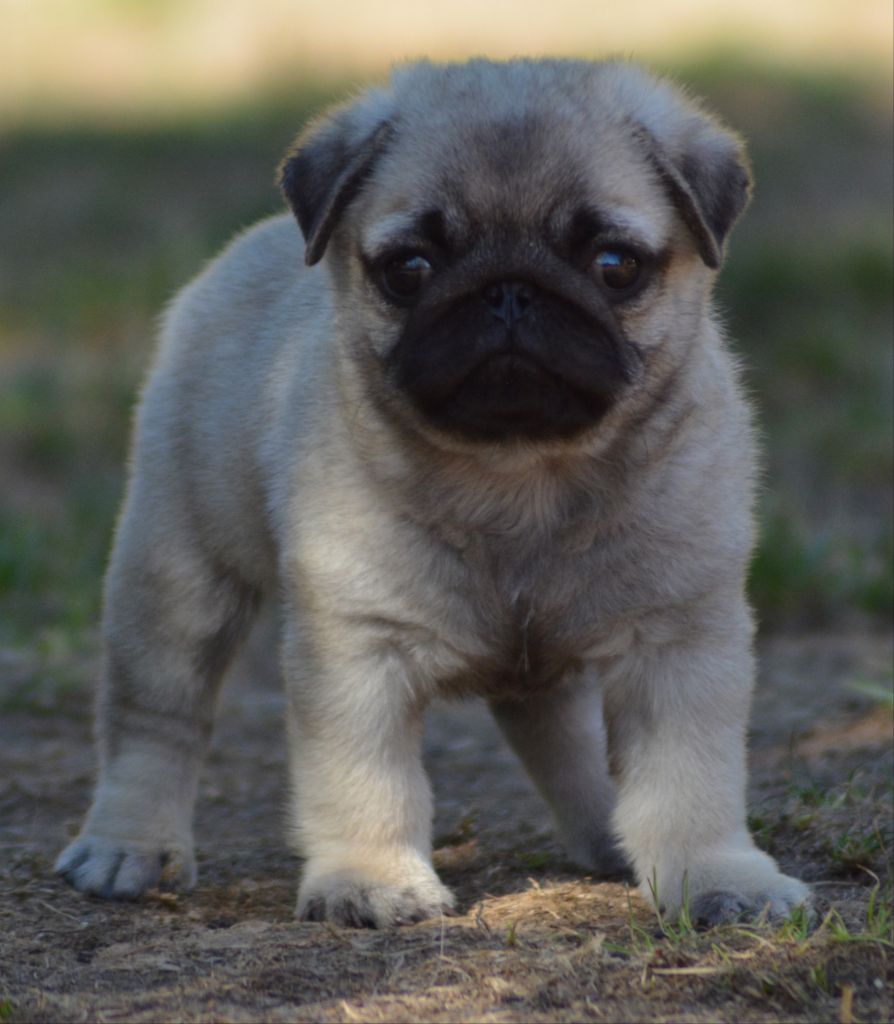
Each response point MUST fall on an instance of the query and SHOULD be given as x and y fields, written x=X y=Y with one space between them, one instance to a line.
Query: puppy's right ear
x=326 y=168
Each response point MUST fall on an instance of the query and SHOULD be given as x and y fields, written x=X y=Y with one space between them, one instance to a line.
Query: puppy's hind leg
x=559 y=736
x=172 y=621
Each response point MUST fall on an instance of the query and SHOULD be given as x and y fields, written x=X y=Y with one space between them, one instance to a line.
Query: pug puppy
x=488 y=440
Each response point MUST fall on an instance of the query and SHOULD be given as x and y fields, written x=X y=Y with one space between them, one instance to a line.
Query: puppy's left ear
x=326 y=168
x=702 y=165
x=709 y=182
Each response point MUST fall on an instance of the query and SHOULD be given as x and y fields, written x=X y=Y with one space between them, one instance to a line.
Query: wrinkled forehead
x=515 y=173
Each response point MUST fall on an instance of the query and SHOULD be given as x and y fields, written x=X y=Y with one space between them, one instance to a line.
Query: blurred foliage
x=100 y=225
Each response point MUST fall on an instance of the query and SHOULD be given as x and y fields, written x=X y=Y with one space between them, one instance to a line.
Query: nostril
x=495 y=296
x=508 y=300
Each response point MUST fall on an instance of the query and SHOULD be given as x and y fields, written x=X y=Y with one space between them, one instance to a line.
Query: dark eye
x=617 y=269
x=404 y=276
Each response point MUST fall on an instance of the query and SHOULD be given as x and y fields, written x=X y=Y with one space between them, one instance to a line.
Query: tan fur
x=592 y=588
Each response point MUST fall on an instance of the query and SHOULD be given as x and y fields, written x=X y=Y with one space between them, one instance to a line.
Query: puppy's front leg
x=361 y=800
x=676 y=715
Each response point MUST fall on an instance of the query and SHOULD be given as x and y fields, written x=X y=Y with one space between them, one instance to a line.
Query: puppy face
x=514 y=333
x=511 y=243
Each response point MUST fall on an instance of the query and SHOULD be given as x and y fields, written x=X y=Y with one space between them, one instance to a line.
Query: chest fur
x=517 y=622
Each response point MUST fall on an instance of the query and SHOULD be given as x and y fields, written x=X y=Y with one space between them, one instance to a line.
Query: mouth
x=512 y=381
x=508 y=368
x=509 y=395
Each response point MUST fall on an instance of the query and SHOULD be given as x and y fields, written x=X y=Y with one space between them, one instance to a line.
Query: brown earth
x=535 y=940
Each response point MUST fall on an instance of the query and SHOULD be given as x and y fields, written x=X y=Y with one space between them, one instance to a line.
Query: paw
x=348 y=898
x=122 y=870
x=720 y=906
x=733 y=885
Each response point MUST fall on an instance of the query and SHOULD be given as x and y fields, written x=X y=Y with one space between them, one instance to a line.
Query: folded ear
x=708 y=180
x=701 y=164
x=327 y=166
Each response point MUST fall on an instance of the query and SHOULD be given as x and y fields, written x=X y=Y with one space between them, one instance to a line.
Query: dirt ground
x=534 y=941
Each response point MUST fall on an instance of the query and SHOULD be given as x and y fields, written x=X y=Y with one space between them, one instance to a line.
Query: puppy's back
x=232 y=343
x=235 y=293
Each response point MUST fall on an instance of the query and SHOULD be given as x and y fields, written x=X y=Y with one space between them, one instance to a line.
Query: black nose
x=508 y=300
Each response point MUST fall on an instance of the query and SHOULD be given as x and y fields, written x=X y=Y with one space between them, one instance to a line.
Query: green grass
x=813 y=576
x=877 y=928
x=105 y=222
x=853 y=849
x=786 y=962
x=881 y=694
x=845 y=823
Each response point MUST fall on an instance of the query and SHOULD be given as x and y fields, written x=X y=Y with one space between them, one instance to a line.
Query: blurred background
x=136 y=136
